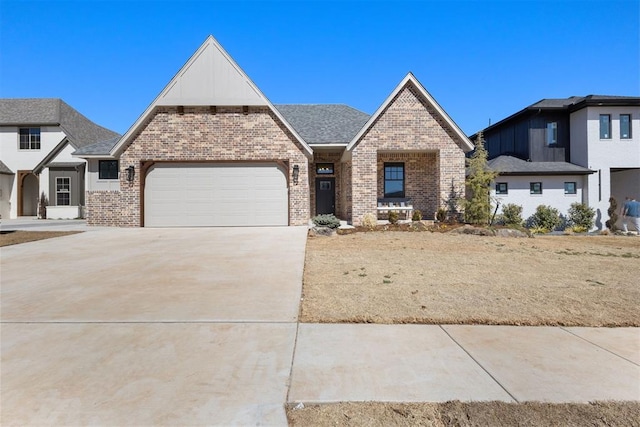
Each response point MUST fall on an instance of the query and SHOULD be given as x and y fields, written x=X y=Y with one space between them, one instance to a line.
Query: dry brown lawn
x=10 y=237
x=447 y=278
x=463 y=414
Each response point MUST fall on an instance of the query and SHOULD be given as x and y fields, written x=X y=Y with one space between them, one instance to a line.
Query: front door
x=325 y=196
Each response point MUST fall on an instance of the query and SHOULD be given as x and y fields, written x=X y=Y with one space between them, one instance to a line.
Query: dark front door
x=325 y=196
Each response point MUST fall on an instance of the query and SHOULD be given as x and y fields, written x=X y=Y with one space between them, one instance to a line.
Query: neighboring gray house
x=37 y=137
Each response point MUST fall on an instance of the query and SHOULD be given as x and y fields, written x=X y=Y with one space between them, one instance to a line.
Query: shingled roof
x=508 y=165
x=324 y=123
x=80 y=130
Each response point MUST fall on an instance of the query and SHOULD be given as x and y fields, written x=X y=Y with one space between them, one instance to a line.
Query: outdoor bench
x=396 y=204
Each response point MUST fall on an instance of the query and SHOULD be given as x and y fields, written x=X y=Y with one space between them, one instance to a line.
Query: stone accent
x=202 y=135
x=409 y=127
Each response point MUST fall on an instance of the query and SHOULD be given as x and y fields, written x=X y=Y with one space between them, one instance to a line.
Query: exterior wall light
x=131 y=173
x=296 y=174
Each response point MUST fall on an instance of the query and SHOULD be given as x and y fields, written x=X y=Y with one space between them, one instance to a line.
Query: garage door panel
x=215 y=195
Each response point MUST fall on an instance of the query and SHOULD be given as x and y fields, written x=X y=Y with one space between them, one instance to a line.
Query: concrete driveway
x=150 y=326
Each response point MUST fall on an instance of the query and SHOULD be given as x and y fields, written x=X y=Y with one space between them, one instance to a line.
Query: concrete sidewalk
x=32 y=223
x=415 y=363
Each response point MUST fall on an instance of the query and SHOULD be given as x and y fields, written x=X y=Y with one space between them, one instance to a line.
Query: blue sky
x=481 y=60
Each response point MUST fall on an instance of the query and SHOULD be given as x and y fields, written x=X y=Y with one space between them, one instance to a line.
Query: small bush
x=613 y=215
x=581 y=216
x=546 y=218
x=326 y=220
x=441 y=214
x=417 y=215
x=42 y=206
x=512 y=214
x=393 y=217
x=370 y=221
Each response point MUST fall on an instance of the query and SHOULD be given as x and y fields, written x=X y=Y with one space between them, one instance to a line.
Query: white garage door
x=205 y=195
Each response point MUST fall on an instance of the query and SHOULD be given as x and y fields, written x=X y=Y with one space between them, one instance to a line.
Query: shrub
x=370 y=221
x=417 y=215
x=581 y=216
x=326 y=220
x=393 y=217
x=613 y=215
x=545 y=219
x=441 y=214
x=512 y=214
x=42 y=206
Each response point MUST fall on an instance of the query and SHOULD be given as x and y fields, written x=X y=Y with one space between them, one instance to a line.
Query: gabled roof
x=324 y=123
x=53 y=112
x=508 y=165
x=209 y=77
x=411 y=80
x=4 y=169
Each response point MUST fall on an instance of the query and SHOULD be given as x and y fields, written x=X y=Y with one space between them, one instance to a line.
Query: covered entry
x=215 y=194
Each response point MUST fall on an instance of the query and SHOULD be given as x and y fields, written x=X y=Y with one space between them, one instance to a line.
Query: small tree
x=478 y=207
x=581 y=217
x=613 y=216
x=42 y=206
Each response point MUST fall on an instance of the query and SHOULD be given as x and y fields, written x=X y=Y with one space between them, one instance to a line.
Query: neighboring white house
x=529 y=184
x=560 y=151
x=37 y=137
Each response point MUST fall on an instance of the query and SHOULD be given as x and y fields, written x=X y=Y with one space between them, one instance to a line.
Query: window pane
x=502 y=188
x=108 y=169
x=535 y=188
x=569 y=188
x=63 y=199
x=625 y=126
x=394 y=180
x=552 y=133
x=605 y=126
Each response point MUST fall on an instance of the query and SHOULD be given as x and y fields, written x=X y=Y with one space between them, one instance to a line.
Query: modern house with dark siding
x=561 y=151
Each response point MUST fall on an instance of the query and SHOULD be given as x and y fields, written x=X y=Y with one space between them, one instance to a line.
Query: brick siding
x=201 y=135
x=409 y=130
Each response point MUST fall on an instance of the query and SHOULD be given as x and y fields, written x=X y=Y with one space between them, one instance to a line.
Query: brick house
x=212 y=150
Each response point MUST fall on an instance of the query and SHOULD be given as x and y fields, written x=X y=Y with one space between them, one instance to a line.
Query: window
x=535 y=188
x=625 y=126
x=108 y=169
x=502 y=188
x=63 y=191
x=605 y=126
x=29 y=138
x=552 y=133
x=394 y=180
x=324 y=169
x=569 y=188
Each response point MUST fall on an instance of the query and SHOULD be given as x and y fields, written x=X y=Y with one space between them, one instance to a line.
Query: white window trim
x=63 y=192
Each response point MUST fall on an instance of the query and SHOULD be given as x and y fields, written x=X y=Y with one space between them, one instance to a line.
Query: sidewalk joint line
x=597 y=345
x=479 y=364
x=142 y=322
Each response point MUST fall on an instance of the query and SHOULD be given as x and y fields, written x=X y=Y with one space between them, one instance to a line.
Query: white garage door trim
x=215 y=195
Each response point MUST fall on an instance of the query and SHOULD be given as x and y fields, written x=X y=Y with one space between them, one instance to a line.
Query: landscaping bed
x=456 y=278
